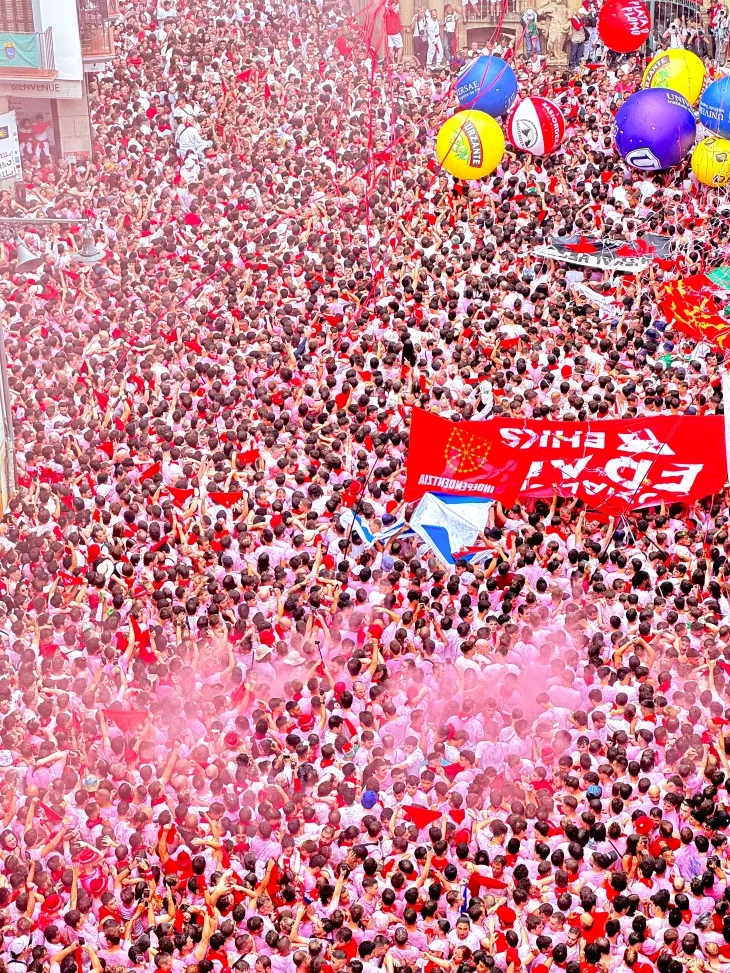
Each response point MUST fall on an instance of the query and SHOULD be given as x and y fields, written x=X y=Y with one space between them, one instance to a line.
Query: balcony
x=96 y=13
x=490 y=11
x=97 y=34
x=97 y=44
x=27 y=55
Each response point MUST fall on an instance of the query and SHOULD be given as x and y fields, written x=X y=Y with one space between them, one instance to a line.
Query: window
x=16 y=16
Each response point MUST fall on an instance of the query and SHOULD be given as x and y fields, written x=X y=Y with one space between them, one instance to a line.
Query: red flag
x=125 y=719
x=102 y=399
x=343 y=47
x=238 y=694
x=616 y=465
x=150 y=472
x=179 y=495
x=249 y=457
x=70 y=578
x=421 y=816
x=584 y=245
x=142 y=638
x=226 y=499
x=51 y=815
x=108 y=449
x=457 y=815
x=463 y=458
x=636 y=248
x=694 y=304
x=272 y=885
x=477 y=881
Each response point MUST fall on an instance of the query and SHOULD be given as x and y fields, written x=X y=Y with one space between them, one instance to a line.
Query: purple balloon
x=655 y=129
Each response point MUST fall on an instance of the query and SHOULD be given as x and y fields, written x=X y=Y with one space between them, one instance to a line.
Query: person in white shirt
x=451 y=19
x=435 y=52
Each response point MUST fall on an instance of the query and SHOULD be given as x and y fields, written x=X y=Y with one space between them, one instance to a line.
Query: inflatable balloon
x=487 y=84
x=535 y=125
x=624 y=25
x=677 y=69
x=655 y=129
x=711 y=161
x=715 y=107
x=470 y=145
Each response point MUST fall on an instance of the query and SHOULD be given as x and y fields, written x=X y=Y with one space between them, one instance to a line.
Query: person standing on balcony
x=435 y=53
x=697 y=43
x=577 y=39
x=465 y=4
x=675 y=34
x=717 y=14
x=532 y=31
x=591 y=29
x=393 y=30
x=720 y=32
x=451 y=19
x=419 y=33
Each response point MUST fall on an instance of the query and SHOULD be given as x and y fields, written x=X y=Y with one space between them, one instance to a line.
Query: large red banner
x=615 y=465
x=462 y=458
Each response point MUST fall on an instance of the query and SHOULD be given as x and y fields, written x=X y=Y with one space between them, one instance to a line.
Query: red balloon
x=624 y=25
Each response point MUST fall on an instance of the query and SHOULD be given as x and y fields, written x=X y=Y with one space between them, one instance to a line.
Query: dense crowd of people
x=235 y=735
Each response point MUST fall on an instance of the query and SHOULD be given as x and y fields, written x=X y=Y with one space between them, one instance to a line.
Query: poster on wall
x=11 y=169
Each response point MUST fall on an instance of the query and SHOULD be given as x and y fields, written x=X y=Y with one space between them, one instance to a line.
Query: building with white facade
x=46 y=47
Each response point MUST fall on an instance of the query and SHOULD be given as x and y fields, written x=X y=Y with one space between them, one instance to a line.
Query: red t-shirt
x=392 y=22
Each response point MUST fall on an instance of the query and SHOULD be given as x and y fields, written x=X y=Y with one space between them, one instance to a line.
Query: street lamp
x=27 y=261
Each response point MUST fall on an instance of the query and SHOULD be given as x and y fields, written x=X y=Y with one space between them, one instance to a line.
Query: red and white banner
x=462 y=458
x=615 y=465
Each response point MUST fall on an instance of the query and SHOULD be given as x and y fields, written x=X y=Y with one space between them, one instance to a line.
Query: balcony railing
x=27 y=55
x=98 y=43
x=490 y=11
x=96 y=13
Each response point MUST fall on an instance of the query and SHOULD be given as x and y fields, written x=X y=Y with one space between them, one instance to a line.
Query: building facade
x=478 y=19
x=46 y=49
